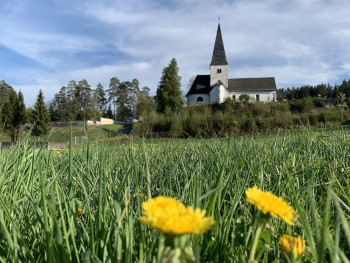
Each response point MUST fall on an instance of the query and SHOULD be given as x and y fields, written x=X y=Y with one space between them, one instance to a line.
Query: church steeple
x=219 y=65
x=219 y=56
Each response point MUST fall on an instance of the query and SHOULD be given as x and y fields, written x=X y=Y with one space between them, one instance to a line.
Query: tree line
x=14 y=115
x=336 y=93
x=79 y=101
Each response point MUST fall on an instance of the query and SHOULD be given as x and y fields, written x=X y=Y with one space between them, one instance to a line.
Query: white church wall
x=215 y=94
x=264 y=96
x=194 y=99
x=218 y=94
x=224 y=93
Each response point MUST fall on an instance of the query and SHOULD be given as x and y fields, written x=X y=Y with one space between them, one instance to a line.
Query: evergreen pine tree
x=20 y=116
x=40 y=117
x=169 y=92
x=113 y=93
x=101 y=99
x=109 y=112
x=5 y=91
x=8 y=113
x=123 y=109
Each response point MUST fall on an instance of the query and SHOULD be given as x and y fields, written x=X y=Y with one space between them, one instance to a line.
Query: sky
x=44 y=44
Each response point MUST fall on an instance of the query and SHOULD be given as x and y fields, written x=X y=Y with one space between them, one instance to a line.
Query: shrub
x=282 y=106
x=248 y=124
x=230 y=101
x=197 y=124
x=176 y=129
x=228 y=118
x=224 y=123
x=244 y=98
x=303 y=105
x=260 y=109
x=282 y=120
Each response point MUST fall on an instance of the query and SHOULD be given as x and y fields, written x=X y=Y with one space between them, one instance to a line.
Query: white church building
x=217 y=87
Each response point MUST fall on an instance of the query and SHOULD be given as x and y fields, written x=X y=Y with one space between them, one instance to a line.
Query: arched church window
x=218 y=70
x=199 y=99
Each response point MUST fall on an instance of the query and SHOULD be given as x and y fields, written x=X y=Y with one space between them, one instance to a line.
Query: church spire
x=219 y=56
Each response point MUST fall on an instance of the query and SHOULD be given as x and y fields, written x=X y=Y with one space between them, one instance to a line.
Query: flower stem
x=255 y=242
x=160 y=248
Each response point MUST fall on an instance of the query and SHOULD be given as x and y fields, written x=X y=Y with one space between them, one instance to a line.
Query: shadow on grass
x=114 y=132
x=346 y=123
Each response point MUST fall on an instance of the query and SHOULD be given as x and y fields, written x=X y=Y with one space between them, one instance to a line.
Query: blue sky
x=46 y=43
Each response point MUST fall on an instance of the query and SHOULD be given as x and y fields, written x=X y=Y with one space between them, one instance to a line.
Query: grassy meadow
x=62 y=134
x=84 y=204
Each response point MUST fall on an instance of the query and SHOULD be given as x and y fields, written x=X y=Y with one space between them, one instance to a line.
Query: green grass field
x=62 y=134
x=84 y=204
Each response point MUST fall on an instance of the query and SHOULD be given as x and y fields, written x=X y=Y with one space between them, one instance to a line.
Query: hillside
x=62 y=134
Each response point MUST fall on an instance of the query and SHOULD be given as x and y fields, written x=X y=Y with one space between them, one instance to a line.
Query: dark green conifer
x=40 y=117
x=169 y=92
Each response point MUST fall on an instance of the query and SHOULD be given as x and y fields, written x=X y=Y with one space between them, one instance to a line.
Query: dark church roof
x=201 y=85
x=219 y=56
x=252 y=84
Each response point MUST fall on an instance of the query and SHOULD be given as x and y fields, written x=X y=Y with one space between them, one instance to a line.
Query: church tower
x=219 y=65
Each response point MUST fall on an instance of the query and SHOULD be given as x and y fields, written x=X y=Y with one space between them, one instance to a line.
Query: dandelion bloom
x=58 y=151
x=172 y=217
x=140 y=195
x=268 y=203
x=298 y=244
x=79 y=211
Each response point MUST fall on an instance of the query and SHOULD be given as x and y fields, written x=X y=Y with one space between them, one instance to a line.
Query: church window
x=218 y=70
x=199 y=99
x=234 y=97
x=257 y=97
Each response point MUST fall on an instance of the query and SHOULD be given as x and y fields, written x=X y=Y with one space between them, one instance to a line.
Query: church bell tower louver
x=219 y=65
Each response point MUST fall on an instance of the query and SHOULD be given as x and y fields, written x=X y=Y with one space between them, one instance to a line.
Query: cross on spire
x=219 y=20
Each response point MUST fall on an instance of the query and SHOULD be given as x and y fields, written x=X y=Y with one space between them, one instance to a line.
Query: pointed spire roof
x=219 y=56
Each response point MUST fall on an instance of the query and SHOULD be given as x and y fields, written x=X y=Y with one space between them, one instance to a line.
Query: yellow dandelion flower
x=56 y=150
x=79 y=211
x=268 y=203
x=288 y=242
x=172 y=217
x=140 y=195
x=185 y=148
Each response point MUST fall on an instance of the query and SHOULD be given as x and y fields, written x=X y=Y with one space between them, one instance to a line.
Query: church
x=217 y=87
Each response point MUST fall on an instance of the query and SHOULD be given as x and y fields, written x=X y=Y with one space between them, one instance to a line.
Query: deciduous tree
x=146 y=103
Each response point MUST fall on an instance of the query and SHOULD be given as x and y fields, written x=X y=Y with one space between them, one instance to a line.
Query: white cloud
x=297 y=42
x=45 y=48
